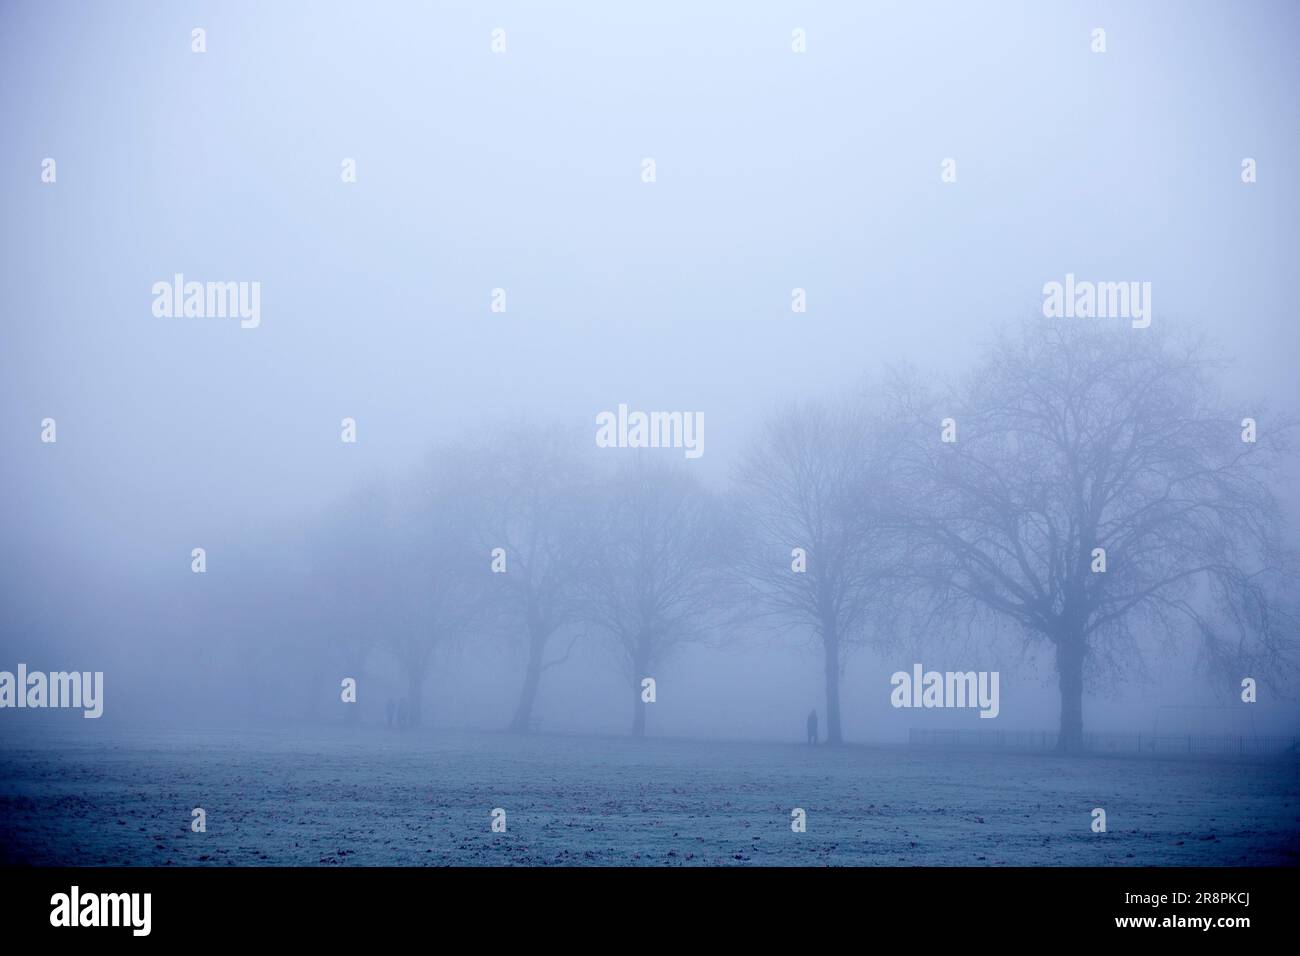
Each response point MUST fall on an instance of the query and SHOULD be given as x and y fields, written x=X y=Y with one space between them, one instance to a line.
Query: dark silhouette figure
x=812 y=726
x=392 y=712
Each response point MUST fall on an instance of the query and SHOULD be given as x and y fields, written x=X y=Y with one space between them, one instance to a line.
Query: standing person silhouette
x=812 y=726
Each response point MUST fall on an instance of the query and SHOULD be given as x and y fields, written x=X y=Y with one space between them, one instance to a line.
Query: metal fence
x=1105 y=743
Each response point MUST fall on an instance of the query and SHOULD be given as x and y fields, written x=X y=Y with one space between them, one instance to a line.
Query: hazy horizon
x=523 y=171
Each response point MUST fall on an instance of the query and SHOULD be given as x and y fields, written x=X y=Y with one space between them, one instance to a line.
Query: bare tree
x=658 y=578
x=533 y=503
x=342 y=549
x=811 y=554
x=417 y=574
x=1097 y=492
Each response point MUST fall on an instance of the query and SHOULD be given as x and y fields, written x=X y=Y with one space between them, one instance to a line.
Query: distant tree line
x=1086 y=491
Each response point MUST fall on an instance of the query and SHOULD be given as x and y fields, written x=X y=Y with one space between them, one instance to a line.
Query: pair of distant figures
x=397 y=713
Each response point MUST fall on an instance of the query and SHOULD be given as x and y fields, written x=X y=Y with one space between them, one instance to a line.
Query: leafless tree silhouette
x=426 y=586
x=801 y=485
x=660 y=575
x=531 y=495
x=1072 y=439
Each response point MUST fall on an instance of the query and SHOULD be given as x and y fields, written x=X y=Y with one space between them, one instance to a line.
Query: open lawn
x=366 y=796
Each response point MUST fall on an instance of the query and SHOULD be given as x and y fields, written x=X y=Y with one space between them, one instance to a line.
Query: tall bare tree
x=342 y=552
x=418 y=569
x=1097 y=493
x=659 y=577
x=532 y=500
x=801 y=486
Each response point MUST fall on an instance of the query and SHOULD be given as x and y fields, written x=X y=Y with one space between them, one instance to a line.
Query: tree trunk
x=640 y=671
x=532 y=678
x=831 y=645
x=1070 y=652
x=638 y=709
x=638 y=706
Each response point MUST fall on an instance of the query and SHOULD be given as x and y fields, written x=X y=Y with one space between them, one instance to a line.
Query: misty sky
x=522 y=171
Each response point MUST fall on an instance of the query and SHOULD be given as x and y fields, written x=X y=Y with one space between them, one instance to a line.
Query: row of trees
x=1081 y=490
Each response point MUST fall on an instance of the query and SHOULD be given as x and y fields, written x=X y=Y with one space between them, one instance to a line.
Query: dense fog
x=453 y=337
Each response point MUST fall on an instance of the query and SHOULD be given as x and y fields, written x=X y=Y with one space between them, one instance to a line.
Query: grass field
x=365 y=796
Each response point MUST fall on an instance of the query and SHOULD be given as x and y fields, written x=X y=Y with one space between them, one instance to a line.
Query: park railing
x=1106 y=743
